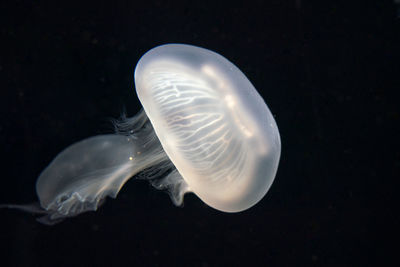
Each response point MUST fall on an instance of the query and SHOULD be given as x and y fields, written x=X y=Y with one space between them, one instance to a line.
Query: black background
x=328 y=70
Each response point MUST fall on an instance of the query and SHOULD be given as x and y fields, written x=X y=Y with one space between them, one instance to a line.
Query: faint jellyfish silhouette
x=203 y=129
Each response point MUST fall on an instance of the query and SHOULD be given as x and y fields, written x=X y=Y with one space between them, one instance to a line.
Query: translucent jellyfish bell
x=204 y=129
x=211 y=122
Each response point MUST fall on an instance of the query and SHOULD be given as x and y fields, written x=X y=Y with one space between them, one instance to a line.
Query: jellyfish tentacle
x=34 y=207
x=81 y=177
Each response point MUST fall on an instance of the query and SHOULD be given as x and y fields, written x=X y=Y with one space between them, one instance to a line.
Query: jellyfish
x=203 y=129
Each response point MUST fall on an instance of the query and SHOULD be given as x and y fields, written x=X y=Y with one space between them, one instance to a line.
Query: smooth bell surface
x=211 y=122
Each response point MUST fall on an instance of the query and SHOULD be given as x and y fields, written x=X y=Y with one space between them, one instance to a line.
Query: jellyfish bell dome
x=212 y=123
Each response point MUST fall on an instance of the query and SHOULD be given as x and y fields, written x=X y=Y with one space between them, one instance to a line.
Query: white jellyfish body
x=204 y=129
x=211 y=122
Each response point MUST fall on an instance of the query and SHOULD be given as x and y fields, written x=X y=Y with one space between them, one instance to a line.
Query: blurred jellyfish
x=203 y=129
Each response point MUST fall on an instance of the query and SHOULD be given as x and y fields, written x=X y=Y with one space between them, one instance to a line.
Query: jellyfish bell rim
x=233 y=200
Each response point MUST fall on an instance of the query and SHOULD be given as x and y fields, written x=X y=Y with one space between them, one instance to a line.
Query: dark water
x=328 y=71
